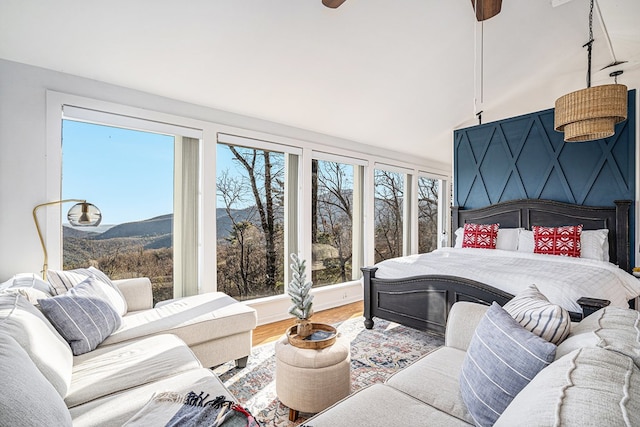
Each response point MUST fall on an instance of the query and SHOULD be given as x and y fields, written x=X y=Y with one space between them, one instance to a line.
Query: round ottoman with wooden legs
x=312 y=380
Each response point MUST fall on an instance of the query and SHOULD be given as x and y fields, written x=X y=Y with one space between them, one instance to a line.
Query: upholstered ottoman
x=312 y=380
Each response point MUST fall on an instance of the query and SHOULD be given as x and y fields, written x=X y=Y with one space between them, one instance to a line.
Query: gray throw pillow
x=63 y=281
x=83 y=316
x=502 y=359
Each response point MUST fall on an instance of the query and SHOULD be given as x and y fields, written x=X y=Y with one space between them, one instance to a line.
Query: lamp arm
x=35 y=219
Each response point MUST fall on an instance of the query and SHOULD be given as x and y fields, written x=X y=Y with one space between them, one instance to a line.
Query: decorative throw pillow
x=482 y=236
x=31 y=294
x=62 y=281
x=28 y=280
x=588 y=387
x=83 y=316
x=612 y=328
x=536 y=314
x=557 y=240
x=501 y=360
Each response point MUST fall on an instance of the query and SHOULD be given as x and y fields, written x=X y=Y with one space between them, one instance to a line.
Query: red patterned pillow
x=482 y=236
x=557 y=240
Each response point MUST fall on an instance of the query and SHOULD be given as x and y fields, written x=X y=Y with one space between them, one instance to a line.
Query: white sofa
x=155 y=350
x=592 y=382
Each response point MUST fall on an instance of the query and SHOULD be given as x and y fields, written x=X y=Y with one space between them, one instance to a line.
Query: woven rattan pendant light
x=591 y=113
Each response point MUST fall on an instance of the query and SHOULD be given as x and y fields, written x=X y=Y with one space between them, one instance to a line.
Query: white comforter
x=563 y=280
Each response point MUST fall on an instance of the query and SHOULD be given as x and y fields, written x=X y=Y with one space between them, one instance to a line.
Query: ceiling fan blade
x=332 y=3
x=486 y=9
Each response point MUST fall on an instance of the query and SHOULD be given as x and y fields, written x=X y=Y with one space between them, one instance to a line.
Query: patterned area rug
x=375 y=355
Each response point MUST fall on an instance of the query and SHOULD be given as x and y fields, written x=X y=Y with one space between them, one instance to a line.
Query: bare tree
x=428 y=190
x=262 y=176
x=388 y=214
x=333 y=197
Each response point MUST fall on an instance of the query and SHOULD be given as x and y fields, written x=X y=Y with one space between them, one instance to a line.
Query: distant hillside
x=157 y=226
x=153 y=233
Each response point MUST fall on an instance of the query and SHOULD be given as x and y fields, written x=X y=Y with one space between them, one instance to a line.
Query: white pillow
x=459 y=235
x=508 y=239
x=525 y=241
x=27 y=280
x=594 y=244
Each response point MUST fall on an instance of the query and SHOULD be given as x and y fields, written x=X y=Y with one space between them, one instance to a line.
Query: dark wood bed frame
x=423 y=302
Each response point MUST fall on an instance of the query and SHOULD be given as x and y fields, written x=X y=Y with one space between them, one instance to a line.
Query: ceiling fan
x=485 y=9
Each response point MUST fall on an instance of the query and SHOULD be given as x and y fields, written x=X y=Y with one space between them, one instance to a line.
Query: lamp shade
x=84 y=215
x=591 y=113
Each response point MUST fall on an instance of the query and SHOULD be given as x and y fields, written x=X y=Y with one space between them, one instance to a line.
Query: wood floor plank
x=272 y=331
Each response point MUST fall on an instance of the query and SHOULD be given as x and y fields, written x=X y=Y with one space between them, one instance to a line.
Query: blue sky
x=127 y=174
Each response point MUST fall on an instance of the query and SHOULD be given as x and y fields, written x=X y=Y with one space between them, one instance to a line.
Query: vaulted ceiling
x=401 y=74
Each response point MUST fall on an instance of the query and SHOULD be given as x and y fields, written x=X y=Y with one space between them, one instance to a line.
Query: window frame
x=311 y=145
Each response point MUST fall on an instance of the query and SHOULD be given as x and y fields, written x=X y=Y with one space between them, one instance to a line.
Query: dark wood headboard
x=529 y=212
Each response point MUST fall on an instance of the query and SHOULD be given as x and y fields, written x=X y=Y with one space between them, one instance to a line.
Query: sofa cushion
x=62 y=281
x=441 y=367
x=613 y=328
x=382 y=406
x=502 y=358
x=536 y=314
x=587 y=387
x=115 y=409
x=48 y=350
x=83 y=316
x=27 y=398
x=195 y=319
x=118 y=367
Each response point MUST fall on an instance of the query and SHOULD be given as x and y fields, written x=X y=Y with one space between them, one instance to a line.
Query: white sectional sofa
x=593 y=381
x=167 y=348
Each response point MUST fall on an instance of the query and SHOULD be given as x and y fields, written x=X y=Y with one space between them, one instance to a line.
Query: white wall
x=23 y=155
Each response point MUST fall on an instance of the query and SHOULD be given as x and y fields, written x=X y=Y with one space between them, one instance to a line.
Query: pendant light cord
x=589 y=45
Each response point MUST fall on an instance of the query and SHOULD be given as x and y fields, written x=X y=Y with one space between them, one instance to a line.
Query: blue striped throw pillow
x=501 y=360
x=536 y=314
x=83 y=316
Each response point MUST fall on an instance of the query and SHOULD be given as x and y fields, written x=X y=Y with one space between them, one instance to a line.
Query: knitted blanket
x=172 y=409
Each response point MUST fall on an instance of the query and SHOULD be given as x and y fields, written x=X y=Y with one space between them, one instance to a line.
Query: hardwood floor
x=272 y=331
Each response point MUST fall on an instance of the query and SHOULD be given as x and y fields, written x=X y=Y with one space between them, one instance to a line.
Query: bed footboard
x=422 y=302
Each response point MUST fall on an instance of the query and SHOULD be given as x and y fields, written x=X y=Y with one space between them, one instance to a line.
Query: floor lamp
x=82 y=214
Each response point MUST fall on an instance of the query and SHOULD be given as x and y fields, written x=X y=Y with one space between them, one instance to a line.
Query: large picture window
x=428 y=213
x=389 y=214
x=250 y=222
x=332 y=208
x=129 y=175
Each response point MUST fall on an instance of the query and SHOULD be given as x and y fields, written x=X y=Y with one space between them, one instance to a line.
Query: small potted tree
x=302 y=300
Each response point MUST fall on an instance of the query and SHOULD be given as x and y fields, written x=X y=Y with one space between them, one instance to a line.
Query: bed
x=395 y=290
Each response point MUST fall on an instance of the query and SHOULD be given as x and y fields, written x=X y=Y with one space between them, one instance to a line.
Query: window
x=332 y=208
x=428 y=213
x=129 y=175
x=146 y=184
x=253 y=220
x=389 y=214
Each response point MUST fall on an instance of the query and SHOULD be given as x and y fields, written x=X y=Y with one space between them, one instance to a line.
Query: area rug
x=375 y=355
